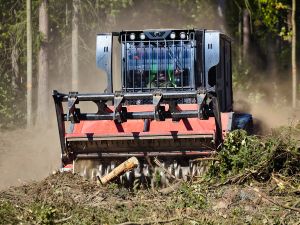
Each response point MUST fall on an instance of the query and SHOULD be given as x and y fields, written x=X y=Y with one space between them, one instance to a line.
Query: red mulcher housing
x=175 y=104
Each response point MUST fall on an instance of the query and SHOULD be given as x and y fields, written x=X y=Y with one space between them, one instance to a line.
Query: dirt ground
x=68 y=199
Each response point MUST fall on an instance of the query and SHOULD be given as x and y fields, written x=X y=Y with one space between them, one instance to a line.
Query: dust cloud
x=28 y=155
x=269 y=104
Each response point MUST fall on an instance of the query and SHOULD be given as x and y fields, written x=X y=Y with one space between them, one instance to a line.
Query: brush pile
x=274 y=157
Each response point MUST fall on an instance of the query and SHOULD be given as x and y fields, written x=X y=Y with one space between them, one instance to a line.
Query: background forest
x=50 y=44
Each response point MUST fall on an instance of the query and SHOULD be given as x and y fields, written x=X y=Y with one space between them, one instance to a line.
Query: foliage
x=271 y=15
x=13 y=37
x=257 y=157
x=7 y=213
x=36 y=213
x=9 y=110
x=269 y=52
x=67 y=198
x=267 y=16
x=190 y=196
x=44 y=214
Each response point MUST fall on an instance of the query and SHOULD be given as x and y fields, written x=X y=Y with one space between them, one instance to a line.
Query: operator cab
x=171 y=60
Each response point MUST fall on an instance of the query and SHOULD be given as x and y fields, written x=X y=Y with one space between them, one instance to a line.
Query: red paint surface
x=186 y=126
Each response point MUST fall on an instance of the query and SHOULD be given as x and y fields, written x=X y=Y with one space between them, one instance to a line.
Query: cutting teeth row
x=144 y=174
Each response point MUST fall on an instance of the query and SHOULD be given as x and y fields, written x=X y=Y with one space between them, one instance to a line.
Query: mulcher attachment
x=176 y=133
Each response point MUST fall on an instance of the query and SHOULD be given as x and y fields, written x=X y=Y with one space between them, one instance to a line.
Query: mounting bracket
x=73 y=112
x=201 y=102
x=158 y=109
x=118 y=109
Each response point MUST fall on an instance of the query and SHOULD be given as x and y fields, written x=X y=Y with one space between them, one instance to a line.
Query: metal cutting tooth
x=178 y=172
x=170 y=169
x=94 y=173
x=146 y=171
x=84 y=174
x=194 y=170
x=107 y=169
x=129 y=177
x=112 y=165
x=138 y=171
x=100 y=169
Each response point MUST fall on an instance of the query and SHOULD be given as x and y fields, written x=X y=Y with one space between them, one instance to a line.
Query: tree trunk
x=15 y=67
x=246 y=33
x=29 y=65
x=240 y=24
x=75 y=67
x=43 y=93
x=221 y=10
x=294 y=65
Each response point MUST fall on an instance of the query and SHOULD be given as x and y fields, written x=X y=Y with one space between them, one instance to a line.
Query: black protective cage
x=158 y=61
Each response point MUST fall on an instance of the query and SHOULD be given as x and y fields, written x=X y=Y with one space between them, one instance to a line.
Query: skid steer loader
x=175 y=105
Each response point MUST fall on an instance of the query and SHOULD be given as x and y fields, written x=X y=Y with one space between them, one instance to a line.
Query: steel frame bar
x=146 y=154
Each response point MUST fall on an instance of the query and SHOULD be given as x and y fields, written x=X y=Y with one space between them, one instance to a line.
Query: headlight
x=142 y=36
x=173 y=35
x=132 y=36
x=182 y=35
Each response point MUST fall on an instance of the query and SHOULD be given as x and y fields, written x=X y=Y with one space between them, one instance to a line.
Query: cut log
x=129 y=164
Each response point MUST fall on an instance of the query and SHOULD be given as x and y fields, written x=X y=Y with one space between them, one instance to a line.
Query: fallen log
x=128 y=165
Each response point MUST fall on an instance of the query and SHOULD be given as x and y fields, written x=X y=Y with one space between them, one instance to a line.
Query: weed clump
x=190 y=196
x=246 y=157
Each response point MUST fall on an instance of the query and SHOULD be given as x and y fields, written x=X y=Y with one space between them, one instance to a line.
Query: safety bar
x=127 y=96
x=119 y=112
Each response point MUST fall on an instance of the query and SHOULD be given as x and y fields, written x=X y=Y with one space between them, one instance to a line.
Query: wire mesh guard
x=157 y=64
